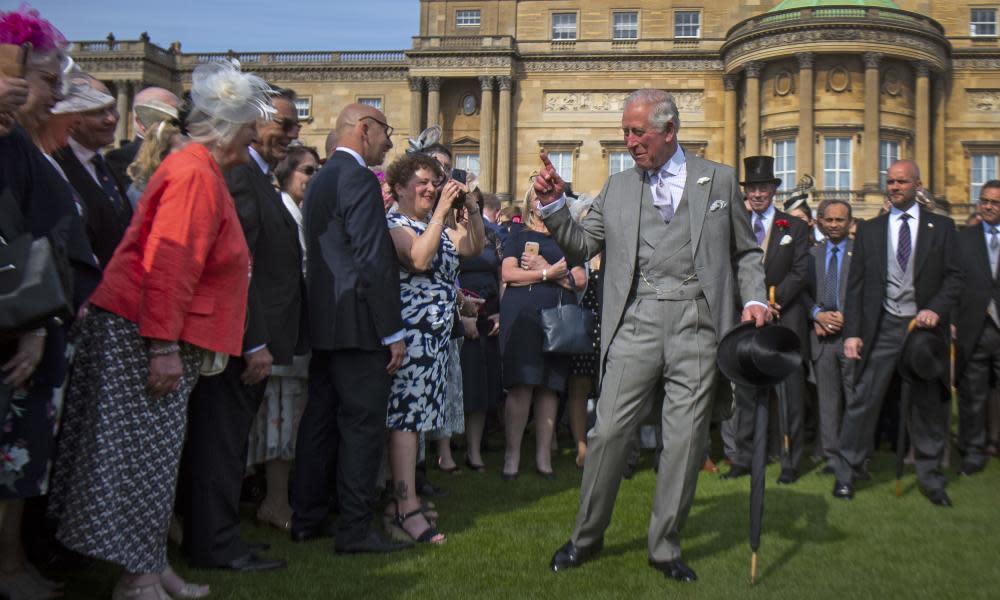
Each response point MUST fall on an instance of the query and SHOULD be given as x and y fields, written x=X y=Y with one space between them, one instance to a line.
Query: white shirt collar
x=257 y=158
x=672 y=167
x=85 y=155
x=913 y=211
x=767 y=215
x=356 y=156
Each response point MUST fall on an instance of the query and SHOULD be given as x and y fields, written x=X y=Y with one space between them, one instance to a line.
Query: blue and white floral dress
x=419 y=386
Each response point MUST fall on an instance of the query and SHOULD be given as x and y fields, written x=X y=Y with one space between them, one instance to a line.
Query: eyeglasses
x=989 y=202
x=287 y=125
x=388 y=128
x=308 y=170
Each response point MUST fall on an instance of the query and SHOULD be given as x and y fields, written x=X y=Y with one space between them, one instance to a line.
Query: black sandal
x=428 y=534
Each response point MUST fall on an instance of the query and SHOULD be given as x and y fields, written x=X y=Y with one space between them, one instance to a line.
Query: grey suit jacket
x=819 y=261
x=727 y=260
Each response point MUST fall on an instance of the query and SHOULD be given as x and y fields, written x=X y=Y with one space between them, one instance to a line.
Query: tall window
x=618 y=161
x=564 y=26
x=625 y=25
x=563 y=162
x=303 y=106
x=687 y=23
x=888 y=153
x=467 y=18
x=375 y=103
x=983 y=22
x=468 y=163
x=984 y=168
x=784 y=164
x=837 y=163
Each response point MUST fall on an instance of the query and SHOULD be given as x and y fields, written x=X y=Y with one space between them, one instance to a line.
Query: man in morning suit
x=356 y=336
x=106 y=209
x=834 y=373
x=905 y=267
x=785 y=240
x=120 y=158
x=678 y=252
x=223 y=406
x=978 y=327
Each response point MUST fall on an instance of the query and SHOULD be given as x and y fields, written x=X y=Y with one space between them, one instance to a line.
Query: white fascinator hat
x=78 y=95
x=223 y=98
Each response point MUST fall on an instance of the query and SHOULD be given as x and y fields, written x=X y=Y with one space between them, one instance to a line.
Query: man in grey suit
x=834 y=373
x=679 y=252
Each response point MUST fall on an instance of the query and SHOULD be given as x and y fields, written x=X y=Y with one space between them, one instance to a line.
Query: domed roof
x=790 y=4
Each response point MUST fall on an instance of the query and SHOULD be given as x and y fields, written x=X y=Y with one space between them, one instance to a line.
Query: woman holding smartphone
x=537 y=277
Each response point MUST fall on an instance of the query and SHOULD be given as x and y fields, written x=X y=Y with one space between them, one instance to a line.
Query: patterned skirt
x=454 y=405
x=116 y=472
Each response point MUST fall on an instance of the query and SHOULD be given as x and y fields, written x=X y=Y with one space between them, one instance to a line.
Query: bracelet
x=544 y=274
x=165 y=350
x=429 y=223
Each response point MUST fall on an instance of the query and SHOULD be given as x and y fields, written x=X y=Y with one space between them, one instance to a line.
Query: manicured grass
x=501 y=536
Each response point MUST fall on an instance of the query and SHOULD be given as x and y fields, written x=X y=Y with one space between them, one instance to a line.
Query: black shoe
x=372 y=543
x=675 y=569
x=257 y=547
x=788 y=476
x=569 y=556
x=827 y=470
x=938 y=498
x=307 y=534
x=735 y=472
x=550 y=475
x=844 y=491
x=252 y=562
x=508 y=476
x=429 y=489
x=969 y=469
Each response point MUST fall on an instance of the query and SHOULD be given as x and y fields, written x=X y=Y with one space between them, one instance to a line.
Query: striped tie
x=832 y=282
x=903 y=246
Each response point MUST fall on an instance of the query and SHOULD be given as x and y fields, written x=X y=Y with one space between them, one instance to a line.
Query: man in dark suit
x=107 y=212
x=150 y=98
x=223 y=406
x=786 y=271
x=832 y=261
x=905 y=267
x=978 y=325
x=357 y=338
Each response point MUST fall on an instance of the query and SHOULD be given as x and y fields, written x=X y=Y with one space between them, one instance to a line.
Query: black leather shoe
x=844 y=491
x=252 y=562
x=735 y=471
x=550 y=475
x=257 y=547
x=307 y=534
x=788 y=476
x=675 y=569
x=969 y=469
x=938 y=498
x=569 y=556
x=373 y=543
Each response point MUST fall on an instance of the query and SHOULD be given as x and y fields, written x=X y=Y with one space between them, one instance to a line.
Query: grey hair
x=664 y=108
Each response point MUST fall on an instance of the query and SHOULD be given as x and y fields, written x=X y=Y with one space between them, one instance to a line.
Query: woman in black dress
x=534 y=281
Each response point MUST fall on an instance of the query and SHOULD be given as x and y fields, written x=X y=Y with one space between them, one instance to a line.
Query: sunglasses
x=287 y=125
x=308 y=170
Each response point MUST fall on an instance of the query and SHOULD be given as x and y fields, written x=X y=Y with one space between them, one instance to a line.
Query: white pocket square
x=787 y=239
x=717 y=205
x=704 y=180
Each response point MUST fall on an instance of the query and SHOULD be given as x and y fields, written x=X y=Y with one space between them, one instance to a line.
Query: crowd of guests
x=241 y=304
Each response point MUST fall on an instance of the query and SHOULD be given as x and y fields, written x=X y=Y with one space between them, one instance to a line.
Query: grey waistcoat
x=900 y=297
x=665 y=256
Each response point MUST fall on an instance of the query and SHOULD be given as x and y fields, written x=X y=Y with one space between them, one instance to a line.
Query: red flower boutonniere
x=781 y=224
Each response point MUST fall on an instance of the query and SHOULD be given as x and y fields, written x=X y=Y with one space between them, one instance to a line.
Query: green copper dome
x=791 y=4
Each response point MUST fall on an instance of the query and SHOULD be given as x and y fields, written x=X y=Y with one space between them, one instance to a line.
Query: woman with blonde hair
x=161 y=139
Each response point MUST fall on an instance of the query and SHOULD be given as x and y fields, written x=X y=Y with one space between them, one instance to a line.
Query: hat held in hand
x=920 y=359
x=759 y=357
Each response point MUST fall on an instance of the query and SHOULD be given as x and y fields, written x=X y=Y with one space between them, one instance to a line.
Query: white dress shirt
x=667 y=182
x=257 y=158
x=85 y=155
x=895 y=219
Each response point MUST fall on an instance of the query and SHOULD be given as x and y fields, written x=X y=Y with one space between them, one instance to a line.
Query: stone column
x=486 y=133
x=938 y=158
x=121 y=129
x=752 y=132
x=433 y=100
x=503 y=139
x=732 y=125
x=870 y=139
x=805 y=160
x=922 y=133
x=416 y=103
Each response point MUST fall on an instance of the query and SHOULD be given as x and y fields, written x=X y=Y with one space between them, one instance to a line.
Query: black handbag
x=568 y=328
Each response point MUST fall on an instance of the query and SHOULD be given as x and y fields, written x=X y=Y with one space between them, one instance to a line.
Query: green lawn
x=501 y=536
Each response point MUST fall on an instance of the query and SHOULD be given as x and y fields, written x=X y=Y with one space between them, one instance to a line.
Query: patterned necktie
x=662 y=197
x=903 y=245
x=109 y=187
x=758 y=228
x=832 y=291
x=994 y=241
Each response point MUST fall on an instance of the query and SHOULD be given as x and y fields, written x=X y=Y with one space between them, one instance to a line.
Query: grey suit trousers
x=974 y=394
x=737 y=431
x=660 y=343
x=834 y=382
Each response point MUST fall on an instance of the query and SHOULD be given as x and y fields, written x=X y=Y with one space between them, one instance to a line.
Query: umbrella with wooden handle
x=786 y=442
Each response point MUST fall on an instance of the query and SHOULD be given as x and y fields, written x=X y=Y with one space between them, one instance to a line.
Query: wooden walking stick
x=786 y=441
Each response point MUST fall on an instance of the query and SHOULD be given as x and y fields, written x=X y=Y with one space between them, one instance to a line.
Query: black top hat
x=922 y=352
x=797 y=201
x=759 y=169
x=759 y=357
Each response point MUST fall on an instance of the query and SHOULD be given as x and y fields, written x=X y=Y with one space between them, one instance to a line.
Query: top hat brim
x=919 y=359
x=758 y=357
x=776 y=181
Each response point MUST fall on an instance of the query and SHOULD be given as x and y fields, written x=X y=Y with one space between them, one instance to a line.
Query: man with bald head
x=120 y=158
x=106 y=208
x=905 y=273
x=356 y=332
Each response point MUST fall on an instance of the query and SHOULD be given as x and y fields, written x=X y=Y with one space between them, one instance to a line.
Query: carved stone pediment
x=614 y=102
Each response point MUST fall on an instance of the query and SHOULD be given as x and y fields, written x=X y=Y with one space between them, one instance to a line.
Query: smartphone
x=531 y=248
x=13 y=59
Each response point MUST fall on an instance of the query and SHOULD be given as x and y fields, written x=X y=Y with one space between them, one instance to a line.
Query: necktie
x=994 y=241
x=903 y=244
x=832 y=292
x=758 y=228
x=662 y=197
x=109 y=187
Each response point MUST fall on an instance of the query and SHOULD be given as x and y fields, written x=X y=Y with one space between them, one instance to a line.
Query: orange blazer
x=182 y=269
